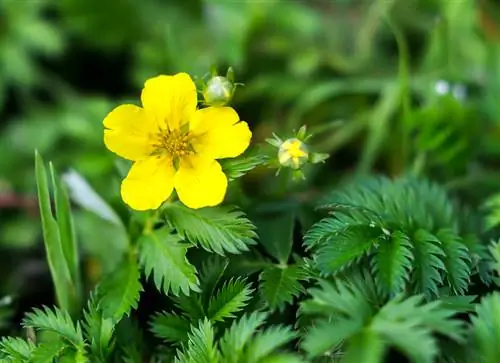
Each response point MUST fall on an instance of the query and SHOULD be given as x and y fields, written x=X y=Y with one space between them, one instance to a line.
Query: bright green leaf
x=163 y=256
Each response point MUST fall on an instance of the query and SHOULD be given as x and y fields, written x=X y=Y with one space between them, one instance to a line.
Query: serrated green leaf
x=16 y=349
x=171 y=328
x=201 y=347
x=163 y=255
x=325 y=336
x=231 y=298
x=237 y=336
x=339 y=298
x=393 y=262
x=217 y=229
x=456 y=260
x=410 y=325
x=47 y=351
x=211 y=272
x=55 y=256
x=56 y=321
x=119 y=291
x=266 y=342
x=98 y=330
x=485 y=329
x=428 y=264
x=281 y=284
x=344 y=249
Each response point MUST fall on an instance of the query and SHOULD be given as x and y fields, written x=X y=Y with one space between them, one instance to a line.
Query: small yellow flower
x=174 y=145
x=293 y=153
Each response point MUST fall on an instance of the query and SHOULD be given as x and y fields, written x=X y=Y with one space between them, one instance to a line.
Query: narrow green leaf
x=67 y=233
x=51 y=237
x=119 y=291
x=164 y=256
x=218 y=229
x=379 y=124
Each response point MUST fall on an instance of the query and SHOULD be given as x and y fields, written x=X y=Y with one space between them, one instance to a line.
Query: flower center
x=173 y=143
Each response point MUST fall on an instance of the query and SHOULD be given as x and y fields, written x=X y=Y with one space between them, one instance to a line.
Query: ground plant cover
x=218 y=181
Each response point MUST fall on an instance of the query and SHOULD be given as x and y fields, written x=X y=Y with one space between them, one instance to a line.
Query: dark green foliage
x=392 y=263
x=282 y=284
x=485 y=330
x=347 y=319
x=395 y=268
x=170 y=327
x=119 y=292
x=407 y=228
x=98 y=329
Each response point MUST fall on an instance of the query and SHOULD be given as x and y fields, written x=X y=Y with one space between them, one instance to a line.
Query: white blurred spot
x=442 y=87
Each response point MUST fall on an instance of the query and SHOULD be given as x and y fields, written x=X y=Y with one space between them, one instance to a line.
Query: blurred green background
x=389 y=86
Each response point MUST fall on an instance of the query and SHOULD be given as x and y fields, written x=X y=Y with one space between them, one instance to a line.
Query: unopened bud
x=293 y=153
x=218 y=91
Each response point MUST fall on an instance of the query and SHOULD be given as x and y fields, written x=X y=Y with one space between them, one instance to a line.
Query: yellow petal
x=149 y=183
x=200 y=182
x=172 y=99
x=127 y=132
x=219 y=133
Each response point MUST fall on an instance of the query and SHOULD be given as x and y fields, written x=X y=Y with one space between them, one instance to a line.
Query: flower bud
x=218 y=91
x=293 y=153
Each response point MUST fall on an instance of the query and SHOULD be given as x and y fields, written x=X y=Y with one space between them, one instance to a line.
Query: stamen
x=172 y=142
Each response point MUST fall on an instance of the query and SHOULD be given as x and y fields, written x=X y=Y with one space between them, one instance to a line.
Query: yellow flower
x=174 y=145
x=293 y=153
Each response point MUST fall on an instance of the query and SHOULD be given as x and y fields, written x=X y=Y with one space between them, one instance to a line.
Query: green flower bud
x=293 y=153
x=218 y=91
